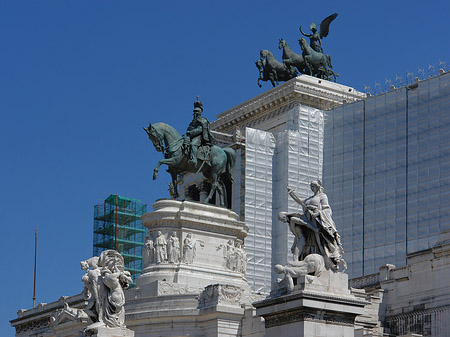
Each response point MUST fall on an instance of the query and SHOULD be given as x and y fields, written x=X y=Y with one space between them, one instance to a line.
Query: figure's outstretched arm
x=295 y=197
x=301 y=31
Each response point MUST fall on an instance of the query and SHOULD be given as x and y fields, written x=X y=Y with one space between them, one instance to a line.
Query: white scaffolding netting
x=260 y=148
x=291 y=158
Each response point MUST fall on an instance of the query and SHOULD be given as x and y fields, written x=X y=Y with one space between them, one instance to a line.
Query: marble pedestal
x=204 y=291
x=102 y=331
x=211 y=230
x=318 y=307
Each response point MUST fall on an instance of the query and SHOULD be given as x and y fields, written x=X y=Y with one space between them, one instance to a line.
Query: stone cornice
x=352 y=300
x=168 y=213
x=304 y=89
x=302 y=316
x=39 y=317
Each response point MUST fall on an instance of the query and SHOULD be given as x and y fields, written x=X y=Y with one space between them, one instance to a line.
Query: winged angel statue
x=315 y=39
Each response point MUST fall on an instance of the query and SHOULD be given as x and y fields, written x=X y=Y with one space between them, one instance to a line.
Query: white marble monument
x=312 y=299
x=193 y=281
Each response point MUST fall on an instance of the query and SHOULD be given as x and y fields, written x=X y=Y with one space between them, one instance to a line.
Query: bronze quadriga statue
x=313 y=61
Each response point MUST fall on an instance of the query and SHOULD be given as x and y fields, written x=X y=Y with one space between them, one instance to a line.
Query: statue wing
x=325 y=25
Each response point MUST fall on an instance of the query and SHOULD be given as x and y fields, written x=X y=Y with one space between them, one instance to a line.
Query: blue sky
x=79 y=79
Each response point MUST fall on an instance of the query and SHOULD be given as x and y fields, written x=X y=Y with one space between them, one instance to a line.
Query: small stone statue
x=314 y=229
x=312 y=265
x=105 y=281
x=160 y=248
x=240 y=257
x=173 y=248
x=148 y=254
x=91 y=286
x=188 y=249
x=234 y=254
x=230 y=256
x=244 y=259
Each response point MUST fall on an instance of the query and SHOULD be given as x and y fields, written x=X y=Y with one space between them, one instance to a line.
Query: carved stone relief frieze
x=168 y=288
x=235 y=256
x=215 y=294
x=190 y=248
x=159 y=249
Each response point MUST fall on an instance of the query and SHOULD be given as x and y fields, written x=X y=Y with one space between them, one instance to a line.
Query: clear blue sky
x=79 y=79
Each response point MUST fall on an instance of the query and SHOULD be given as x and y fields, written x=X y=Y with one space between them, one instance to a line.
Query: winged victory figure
x=315 y=39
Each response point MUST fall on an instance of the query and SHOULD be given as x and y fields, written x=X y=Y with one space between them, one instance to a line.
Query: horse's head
x=155 y=137
x=263 y=53
x=303 y=43
x=281 y=43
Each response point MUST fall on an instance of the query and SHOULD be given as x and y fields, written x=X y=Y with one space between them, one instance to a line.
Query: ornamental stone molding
x=33 y=326
x=200 y=229
x=169 y=213
x=365 y=281
x=302 y=315
x=43 y=317
x=216 y=294
x=419 y=321
x=168 y=288
x=306 y=90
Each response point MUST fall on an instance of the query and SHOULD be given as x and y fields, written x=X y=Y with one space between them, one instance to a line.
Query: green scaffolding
x=118 y=225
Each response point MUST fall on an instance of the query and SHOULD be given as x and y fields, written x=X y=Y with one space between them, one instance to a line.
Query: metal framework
x=118 y=225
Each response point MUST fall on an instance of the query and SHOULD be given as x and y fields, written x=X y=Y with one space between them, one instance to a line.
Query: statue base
x=319 y=306
x=100 y=330
x=210 y=232
x=202 y=292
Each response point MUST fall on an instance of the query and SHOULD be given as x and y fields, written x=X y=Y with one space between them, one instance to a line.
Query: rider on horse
x=198 y=132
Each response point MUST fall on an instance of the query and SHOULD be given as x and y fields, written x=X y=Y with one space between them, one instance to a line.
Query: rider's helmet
x=198 y=107
x=313 y=27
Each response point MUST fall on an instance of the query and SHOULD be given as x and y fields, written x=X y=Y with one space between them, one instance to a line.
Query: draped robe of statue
x=104 y=289
x=314 y=229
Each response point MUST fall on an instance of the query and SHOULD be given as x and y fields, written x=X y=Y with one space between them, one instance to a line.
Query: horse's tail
x=329 y=61
x=231 y=161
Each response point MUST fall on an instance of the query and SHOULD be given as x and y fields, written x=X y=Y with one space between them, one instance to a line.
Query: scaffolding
x=118 y=225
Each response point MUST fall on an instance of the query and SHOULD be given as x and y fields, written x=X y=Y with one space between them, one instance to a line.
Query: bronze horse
x=292 y=59
x=318 y=64
x=221 y=160
x=272 y=70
